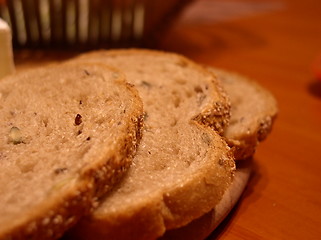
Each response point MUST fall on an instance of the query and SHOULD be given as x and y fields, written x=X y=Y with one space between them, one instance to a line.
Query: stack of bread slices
x=126 y=144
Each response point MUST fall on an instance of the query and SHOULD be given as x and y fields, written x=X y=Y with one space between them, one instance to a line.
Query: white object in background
x=6 y=54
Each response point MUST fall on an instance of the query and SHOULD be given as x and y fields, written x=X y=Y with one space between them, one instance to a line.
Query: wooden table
x=276 y=43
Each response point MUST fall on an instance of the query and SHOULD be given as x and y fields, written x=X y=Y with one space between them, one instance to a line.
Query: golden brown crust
x=218 y=117
x=253 y=112
x=63 y=208
x=145 y=222
x=201 y=227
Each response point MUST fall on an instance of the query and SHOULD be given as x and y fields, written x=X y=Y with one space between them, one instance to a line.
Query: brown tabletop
x=277 y=43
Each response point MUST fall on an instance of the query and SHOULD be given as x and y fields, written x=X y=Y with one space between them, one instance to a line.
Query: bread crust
x=64 y=207
x=202 y=227
x=249 y=124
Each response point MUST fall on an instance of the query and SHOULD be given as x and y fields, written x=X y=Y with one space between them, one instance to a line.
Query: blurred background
x=87 y=24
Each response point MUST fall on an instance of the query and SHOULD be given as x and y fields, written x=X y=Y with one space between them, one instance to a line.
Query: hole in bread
x=45 y=122
x=198 y=152
x=198 y=89
x=173 y=122
x=188 y=94
x=159 y=166
x=115 y=75
x=164 y=69
x=146 y=84
x=221 y=162
x=83 y=151
x=26 y=165
x=63 y=140
x=86 y=72
x=182 y=63
x=201 y=99
x=180 y=81
x=188 y=161
x=176 y=99
x=108 y=99
x=175 y=150
x=206 y=138
x=61 y=170
x=100 y=120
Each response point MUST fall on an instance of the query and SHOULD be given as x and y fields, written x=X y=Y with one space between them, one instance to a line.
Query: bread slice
x=202 y=227
x=253 y=111
x=182 y=166
x=67 y=133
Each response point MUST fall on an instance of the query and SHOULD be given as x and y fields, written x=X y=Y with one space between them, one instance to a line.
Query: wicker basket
x=88 y=23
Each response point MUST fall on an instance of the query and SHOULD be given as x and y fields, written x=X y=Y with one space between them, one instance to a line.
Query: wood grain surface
x=275 y=42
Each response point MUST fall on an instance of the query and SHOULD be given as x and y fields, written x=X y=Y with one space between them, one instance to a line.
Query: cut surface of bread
x=253 y=111
x=67 y=133
x=202 y=227
x=182 y=166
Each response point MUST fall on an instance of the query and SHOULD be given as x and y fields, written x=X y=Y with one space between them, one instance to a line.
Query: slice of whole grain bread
x=67 y=133
x=253 y=111
x=182 y=167
x=202 y=227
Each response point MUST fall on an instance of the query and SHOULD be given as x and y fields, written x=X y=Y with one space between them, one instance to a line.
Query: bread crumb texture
x=67 y=133
x=182 y=167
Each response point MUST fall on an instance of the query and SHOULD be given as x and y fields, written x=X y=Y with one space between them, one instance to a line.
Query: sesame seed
x=57 y=219
x=69 y=220
x=45 y=221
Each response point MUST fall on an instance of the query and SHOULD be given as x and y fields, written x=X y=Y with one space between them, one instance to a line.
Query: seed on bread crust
x=15 y=136
x=60 y=170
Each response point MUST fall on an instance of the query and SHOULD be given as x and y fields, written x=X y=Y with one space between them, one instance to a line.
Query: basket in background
x=88 y=23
